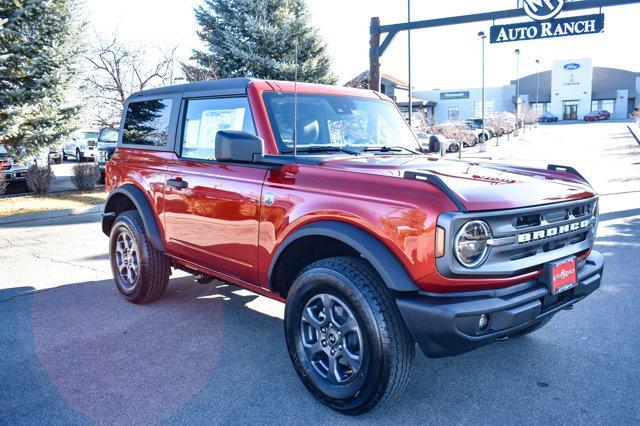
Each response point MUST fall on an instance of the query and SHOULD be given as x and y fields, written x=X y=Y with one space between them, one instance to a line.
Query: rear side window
x=205 y=117
x=147 y=123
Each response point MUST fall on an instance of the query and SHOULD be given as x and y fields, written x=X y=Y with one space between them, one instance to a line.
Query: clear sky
x=446 y=57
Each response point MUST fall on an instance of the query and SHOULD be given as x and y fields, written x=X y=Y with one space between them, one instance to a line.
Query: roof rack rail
x=439 y=183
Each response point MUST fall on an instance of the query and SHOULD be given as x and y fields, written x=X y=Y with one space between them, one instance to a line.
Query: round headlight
x=471 y=243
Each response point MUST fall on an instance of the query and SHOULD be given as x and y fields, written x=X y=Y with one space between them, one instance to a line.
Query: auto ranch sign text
x=563 y=27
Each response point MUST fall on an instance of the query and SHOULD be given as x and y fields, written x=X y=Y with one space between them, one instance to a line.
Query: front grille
x=525 y=239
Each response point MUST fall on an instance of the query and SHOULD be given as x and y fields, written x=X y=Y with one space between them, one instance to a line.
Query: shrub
x=85 y=176
x=3 y=182
x=39 y=179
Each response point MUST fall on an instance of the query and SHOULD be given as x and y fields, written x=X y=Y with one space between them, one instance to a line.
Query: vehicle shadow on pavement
x=216 y=354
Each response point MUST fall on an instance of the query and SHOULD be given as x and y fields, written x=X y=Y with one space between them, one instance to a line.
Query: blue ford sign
x=571 y=67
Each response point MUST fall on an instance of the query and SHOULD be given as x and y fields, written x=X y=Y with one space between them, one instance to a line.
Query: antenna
x=295 y=106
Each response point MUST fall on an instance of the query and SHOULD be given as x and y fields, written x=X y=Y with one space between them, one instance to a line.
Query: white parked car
x=82 y=145
x=425 y=138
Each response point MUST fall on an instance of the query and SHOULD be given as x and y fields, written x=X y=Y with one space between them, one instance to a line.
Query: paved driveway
x=73 y=351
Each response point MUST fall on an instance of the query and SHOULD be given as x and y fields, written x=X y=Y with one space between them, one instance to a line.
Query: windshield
x=337 y=123
x=109 y=135
x=90 y=135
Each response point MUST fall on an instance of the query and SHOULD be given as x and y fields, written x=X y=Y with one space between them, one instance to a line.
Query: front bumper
x=15 y=176
x=447 y=324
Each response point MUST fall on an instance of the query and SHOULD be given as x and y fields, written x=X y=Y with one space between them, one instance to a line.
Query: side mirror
x=239 y=147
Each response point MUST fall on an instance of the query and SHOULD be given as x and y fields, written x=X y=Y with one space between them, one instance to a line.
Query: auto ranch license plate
x=561 y=275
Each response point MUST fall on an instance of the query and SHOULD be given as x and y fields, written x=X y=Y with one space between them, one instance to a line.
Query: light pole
x=538 y=86
x=517 y=51
x=483 y=146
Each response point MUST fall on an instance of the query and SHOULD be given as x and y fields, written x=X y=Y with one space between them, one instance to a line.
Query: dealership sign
x=544 y=25
x=454 y=95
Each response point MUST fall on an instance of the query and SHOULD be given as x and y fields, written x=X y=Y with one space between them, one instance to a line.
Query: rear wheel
x=346 y=338
x=141 y=272
x=454 y=147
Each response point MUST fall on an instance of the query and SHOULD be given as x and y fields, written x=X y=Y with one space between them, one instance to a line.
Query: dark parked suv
x=318 y=197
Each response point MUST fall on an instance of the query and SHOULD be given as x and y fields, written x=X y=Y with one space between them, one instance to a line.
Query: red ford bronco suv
x=318 y=196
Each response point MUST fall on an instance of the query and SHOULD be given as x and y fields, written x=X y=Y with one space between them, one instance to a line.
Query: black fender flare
x=392 y=272
x=140 y=201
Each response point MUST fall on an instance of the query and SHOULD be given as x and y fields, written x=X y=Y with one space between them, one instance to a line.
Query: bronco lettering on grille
x=552 y=232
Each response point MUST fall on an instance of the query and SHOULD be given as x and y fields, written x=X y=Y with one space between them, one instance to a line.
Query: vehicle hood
x=479 y=186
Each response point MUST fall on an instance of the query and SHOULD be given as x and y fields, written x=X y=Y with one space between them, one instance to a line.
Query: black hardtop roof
x=228 y=85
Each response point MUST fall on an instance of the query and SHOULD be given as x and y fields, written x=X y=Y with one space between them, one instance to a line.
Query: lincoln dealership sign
x=544 y=25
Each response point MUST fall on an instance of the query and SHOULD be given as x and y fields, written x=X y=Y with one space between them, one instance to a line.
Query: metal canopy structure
x=377 y=48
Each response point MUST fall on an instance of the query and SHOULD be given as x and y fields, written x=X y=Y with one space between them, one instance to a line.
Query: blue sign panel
x=454 y=95
x=562 y=27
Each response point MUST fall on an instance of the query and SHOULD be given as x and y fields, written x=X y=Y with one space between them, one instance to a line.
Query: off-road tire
x=154 y=267
x=532 y=328
x=388 y=349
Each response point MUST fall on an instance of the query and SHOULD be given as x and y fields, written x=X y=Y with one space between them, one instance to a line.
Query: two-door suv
x=318 y=196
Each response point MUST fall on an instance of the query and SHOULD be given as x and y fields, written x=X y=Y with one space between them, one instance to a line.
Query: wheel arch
x=130 y=197
x=350 y=239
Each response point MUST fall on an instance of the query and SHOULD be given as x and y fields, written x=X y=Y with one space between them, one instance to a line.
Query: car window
x=147 y=122
x=206 y=117
x=338 y=121
x=109 y=135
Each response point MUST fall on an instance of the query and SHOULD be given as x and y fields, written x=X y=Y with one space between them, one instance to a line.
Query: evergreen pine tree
x=38 y=64
x=257 y=38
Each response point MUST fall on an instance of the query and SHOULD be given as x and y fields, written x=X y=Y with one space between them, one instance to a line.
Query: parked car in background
x=428 y=142
x=457 y=131
x=597 y=115
x=81 y=146
x=55 y=154
x=547 y=117
x=14 y=173
x=107 y=142
x=475 y=124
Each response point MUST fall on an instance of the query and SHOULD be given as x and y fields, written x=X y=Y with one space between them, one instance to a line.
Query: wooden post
x=374 y=55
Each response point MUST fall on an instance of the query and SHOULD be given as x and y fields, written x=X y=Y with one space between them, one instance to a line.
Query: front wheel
x=141 y=272
x=345 y=336
x=78 y=156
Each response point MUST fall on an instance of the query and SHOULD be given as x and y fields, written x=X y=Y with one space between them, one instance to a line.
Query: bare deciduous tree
x=200 y=72
x=117 y=71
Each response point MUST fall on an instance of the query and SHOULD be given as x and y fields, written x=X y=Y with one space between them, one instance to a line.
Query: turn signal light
x=439 y=242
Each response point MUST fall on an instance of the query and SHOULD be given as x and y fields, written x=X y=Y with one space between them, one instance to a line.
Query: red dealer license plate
x=562 y=275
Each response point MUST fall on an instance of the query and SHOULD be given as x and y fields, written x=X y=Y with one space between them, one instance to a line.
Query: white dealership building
x=573 y=88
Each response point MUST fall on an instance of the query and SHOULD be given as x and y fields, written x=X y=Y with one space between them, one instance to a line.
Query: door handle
x=177 y=183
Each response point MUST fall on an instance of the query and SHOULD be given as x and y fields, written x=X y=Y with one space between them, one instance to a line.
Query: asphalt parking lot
x=73 y=351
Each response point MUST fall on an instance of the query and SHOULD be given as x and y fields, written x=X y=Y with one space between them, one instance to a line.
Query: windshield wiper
x=312 y=149
x=388 y=149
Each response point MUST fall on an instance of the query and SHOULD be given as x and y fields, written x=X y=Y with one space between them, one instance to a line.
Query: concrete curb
x=635 y=133
x=51 y=214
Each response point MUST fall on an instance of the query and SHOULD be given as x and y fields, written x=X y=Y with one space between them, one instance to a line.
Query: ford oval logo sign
x=571 y=67
x=543 y=10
